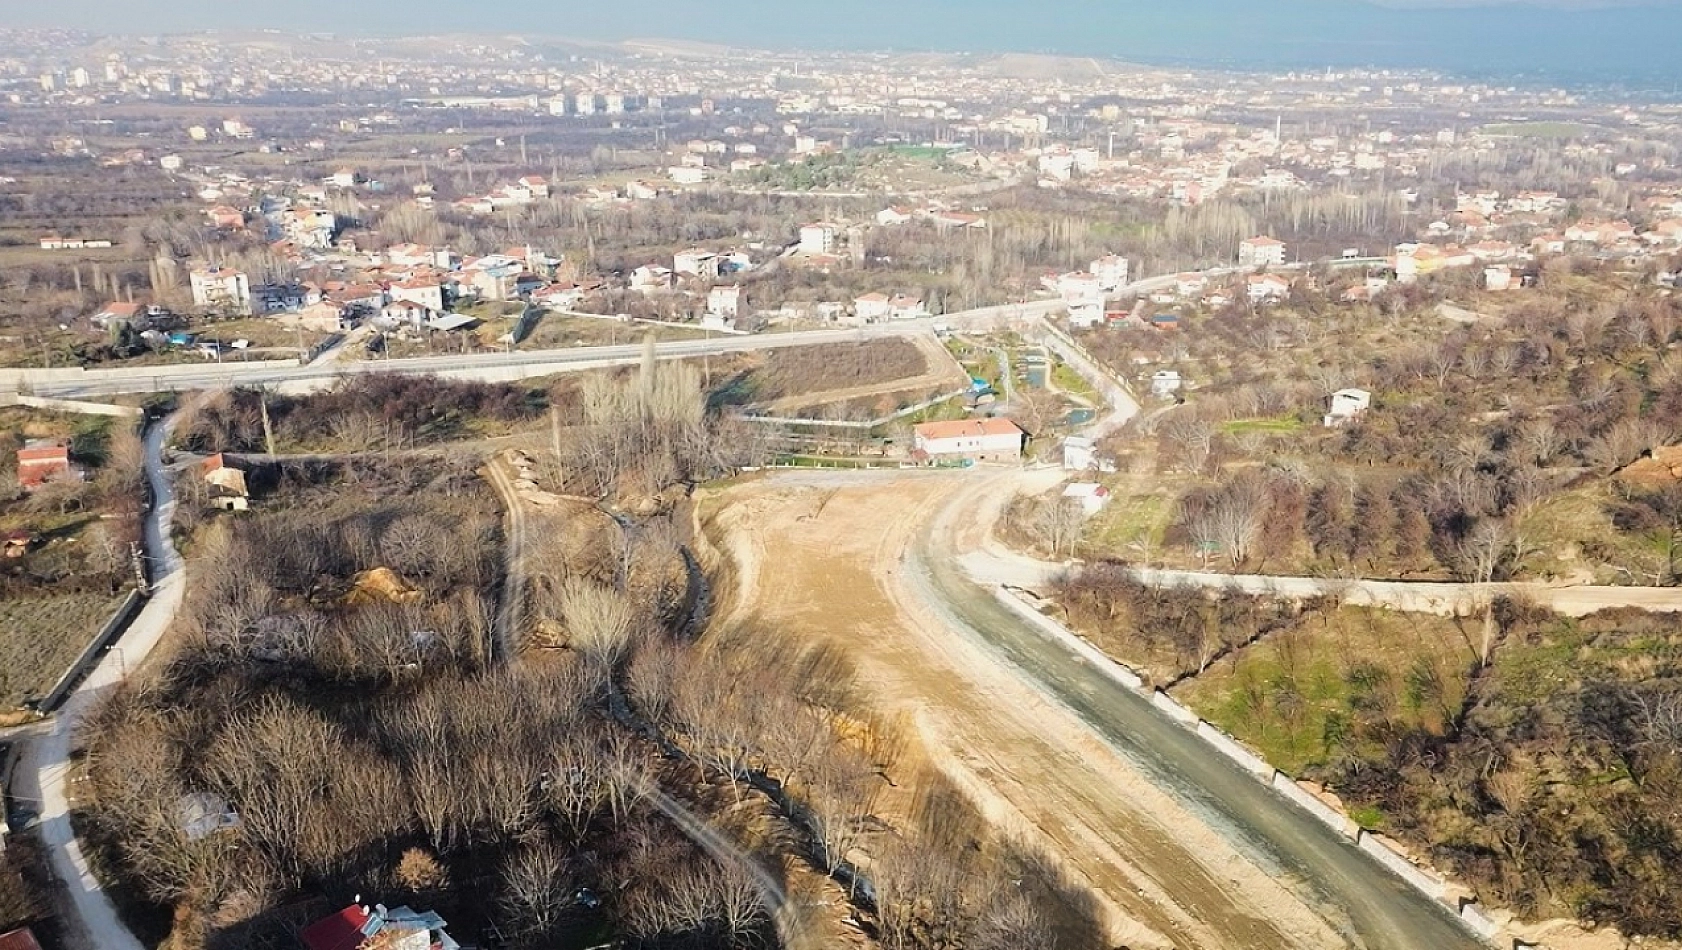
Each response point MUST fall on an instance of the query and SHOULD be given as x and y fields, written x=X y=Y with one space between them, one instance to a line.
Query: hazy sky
x=1574 y=38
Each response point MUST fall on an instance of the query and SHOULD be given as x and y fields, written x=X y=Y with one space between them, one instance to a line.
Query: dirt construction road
x=843 y=557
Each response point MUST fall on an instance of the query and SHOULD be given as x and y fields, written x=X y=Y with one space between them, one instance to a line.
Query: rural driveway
x=44 y=765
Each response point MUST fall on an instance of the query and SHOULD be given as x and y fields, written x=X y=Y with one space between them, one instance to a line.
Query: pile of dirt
x=380 y=585
x=1663 y=466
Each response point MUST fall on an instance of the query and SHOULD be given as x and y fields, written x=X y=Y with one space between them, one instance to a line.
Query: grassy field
x=554 y=331
x=40 y=637
x=1131 y=524
x=1328 y=686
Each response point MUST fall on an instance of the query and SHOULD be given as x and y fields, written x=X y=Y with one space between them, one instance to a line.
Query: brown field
x=814 y=564
x=40 y=637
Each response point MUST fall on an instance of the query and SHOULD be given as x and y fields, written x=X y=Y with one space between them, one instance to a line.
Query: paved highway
x=519 y=364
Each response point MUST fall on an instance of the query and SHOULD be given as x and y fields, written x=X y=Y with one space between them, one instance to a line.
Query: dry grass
x=1321 y=688
x=40 y=637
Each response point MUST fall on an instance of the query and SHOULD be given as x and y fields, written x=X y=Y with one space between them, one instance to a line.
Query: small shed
x=226 y=481
x=46 y=460
x=1346 y=404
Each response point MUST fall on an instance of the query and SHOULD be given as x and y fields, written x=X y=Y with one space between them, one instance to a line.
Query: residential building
x=1080 y=454
x=227 y=491
x=46 y=460
x=725 y=300
x=359 y=927
x=1261 y=252
x=648 y=278
x=983 y=440
x=818 y=238
x=425 y=291
x=21 y=939
x=906 y=307
x=1090 y=496
x=696 y=263
x=116 y=313
x=1165 y=383
x=221 y=288
x=871 y=307
x=1346 y=405
x=1111 y=271
x=1264 y=287
x=892 y=216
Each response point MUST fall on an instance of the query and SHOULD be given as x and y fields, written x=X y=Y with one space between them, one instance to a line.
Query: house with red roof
x=46 y=460
x=984 y=440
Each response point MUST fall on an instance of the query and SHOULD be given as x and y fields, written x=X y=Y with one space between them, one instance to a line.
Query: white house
x=647 y=279
x=696 y=263
x=1165 y=383
x=725 y=300
x=1091 y=496
x=1264 y=287
x=424 y=291
x=892 y=216
x=1498 y=277
x=871 y=307
x=1080 y=454
x=1261 y=252
x=1346 y=404
x=221 y=287
x=1111 y=272
x=906 y=307
x=995 y=439
x=818 y=238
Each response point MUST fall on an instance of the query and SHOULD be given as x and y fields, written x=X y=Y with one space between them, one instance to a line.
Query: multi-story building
x=221 y=288
x=1261 y=252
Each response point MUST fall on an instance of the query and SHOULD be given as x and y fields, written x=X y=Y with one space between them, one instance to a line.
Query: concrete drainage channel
x=1376 y=846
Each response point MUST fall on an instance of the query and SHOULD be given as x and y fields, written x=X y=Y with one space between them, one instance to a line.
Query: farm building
x=984 y=440
x=46 y=460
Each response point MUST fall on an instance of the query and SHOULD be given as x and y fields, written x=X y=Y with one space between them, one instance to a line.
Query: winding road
x=44 y=767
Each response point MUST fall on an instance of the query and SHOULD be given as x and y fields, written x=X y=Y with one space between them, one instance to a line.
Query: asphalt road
x=1372 y=908
x=519 y=364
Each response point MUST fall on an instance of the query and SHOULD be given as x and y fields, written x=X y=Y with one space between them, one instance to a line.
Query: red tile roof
x=20 y=939
x=967 y=428
x=342 y=931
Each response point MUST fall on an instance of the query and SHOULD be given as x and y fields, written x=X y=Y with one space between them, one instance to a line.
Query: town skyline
x=1567 y=40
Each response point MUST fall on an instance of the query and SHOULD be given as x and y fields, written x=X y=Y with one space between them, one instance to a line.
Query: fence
x=116 y=624
x=868 y=424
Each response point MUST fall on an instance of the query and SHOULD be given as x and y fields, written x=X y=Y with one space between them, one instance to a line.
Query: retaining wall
x=1230 y=747
x=71 y=405
x=1420 y=879
x=1179 y=713
x=116 y=624
x=1084 y=650
x=1481 y=923
x=1377 y=847
x=1334 y=819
